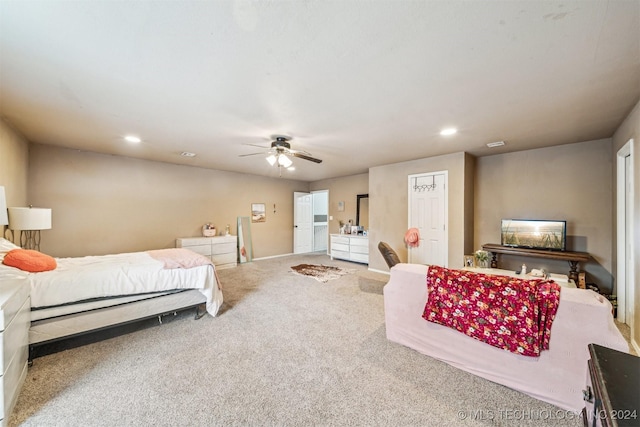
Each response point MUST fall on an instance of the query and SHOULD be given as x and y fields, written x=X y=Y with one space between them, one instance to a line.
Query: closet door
x=428 y=213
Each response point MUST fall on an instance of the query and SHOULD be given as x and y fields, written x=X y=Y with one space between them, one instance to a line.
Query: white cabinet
x=352 y=248
x=15 y=317
x=221 y=250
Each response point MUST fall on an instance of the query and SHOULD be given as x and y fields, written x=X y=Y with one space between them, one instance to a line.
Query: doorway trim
x=625 y=293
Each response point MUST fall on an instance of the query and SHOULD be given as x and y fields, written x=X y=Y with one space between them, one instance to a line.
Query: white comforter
x=79 y=279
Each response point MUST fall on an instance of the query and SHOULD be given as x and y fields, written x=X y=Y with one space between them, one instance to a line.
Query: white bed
x=96 y=292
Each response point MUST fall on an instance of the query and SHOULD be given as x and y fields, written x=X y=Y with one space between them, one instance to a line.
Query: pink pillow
x=29 y=260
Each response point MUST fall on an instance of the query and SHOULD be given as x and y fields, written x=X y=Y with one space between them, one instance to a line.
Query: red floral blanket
x=506 y=312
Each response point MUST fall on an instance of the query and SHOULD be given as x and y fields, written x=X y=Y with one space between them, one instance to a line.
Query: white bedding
x=86 y=278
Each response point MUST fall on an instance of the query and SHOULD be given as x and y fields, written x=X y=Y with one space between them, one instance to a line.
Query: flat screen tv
x=534 y=234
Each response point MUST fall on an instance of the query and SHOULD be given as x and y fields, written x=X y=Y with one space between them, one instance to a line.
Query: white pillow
x=6 y=246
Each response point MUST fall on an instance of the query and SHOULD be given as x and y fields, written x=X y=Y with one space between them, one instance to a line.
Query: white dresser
x=15 y=318
x=222 y=250
x=352 y=248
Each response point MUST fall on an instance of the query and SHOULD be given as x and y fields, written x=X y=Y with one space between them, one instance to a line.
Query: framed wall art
x=258 y=212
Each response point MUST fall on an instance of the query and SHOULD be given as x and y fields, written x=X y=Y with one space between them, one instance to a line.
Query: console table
x=573 y=257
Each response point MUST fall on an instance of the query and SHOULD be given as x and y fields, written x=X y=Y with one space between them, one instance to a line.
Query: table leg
x=573 y=271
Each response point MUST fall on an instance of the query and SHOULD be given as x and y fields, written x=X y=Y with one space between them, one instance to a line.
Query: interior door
x=428 y=213
x=302 y=223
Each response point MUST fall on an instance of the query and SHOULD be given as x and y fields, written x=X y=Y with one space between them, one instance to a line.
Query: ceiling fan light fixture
x=285 y=161
x=271 y=159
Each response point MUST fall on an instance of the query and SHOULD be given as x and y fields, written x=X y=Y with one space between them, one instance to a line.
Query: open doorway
x=311 y=221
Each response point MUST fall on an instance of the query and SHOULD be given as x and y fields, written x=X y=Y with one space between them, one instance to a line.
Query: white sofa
x=557 y=376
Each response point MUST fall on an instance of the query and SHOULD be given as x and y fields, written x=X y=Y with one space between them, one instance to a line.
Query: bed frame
x=48 y=331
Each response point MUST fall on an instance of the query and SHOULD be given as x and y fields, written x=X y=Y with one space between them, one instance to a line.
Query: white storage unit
x=14 y=335
x=222 y=250
x=352 y=248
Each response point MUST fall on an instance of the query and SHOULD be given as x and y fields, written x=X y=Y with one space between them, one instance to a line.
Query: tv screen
x=534 y=234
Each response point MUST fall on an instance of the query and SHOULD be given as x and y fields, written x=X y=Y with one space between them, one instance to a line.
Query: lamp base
x=30 y=239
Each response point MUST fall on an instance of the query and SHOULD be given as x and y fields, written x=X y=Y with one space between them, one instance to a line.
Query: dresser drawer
x=340 y=247
x=223 y=258
x=339 y=254
x=360 y=257
x=360 y=249
x=184 y=242
x=16 y=291
x=223 y=248
x=359 y=242
x=339 y=239
x=200 y=249
x=15 y=335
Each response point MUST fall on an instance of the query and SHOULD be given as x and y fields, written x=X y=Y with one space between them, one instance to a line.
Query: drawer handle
x=587 y=395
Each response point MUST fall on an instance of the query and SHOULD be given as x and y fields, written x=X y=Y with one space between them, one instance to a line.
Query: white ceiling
x=356 y=83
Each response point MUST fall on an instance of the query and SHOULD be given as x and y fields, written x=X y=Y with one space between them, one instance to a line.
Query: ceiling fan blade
x=252 y=154
x=259 y=146
x=312 y=159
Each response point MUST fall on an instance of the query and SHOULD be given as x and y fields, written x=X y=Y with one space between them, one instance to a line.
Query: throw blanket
x=412 y=238
x=506 y=312
x=179 y=258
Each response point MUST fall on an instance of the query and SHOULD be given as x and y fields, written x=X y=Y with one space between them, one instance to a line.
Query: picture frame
x=469 y=261
x=340 y=206
x=258 y=212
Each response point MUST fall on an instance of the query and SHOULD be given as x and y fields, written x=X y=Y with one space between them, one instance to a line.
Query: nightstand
x=15 y=318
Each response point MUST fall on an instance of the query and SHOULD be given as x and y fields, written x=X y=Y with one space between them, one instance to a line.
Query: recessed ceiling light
x=187 y=154
x=448 y=131
x=495 y=144
x=133 y=139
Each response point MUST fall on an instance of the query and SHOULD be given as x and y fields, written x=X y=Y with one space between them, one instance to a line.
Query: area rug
x=322 y=273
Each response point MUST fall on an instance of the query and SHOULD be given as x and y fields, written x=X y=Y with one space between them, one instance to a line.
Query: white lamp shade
x=271 y=159
x=29 y=218
x=4 y=219
x=284 y=161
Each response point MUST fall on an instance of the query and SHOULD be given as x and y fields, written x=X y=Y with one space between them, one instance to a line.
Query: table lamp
x=30 y=221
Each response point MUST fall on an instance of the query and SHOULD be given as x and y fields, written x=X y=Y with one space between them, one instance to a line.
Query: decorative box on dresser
x=350 y=247
x=15 y=317
x=222 y=250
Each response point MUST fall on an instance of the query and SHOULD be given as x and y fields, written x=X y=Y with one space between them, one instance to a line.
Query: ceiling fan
x=279 y=153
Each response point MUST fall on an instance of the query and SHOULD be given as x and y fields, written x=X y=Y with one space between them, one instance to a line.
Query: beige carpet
x=284 y=351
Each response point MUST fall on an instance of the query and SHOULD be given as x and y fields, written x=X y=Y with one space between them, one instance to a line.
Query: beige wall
x=568 y=182
x=345 y=190
x=105 y=204
x=14 y=160
x=630 y=129
x=388 y=205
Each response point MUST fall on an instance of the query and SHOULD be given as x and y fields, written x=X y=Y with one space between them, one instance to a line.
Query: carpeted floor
x=285 y=350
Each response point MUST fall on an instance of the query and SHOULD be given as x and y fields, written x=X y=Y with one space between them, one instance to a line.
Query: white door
x=625 y=247
x=302 y=223
x=428 y=213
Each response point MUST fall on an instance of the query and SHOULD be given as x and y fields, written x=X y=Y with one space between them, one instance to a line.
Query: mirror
x=245 y=247
x=362 y=211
